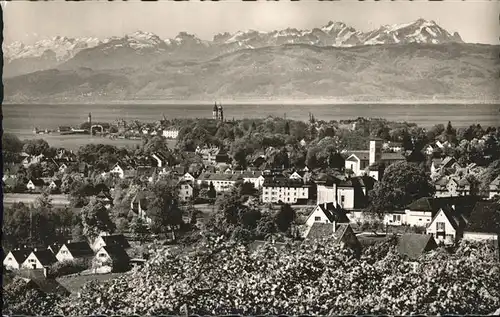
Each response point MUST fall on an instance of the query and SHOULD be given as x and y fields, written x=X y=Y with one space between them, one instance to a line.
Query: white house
x=357 y=162
x=185 y=191
x=188 y=177
x=326 y=193
x=325 y=213
x=171 y=133
x=284 y=190
x=446 y=226
x=222 y=182
x=494 y=188
x=161 y=160
x=74 y=250
x=113 y=255
x=35 y=184
x=39 y=259
x=16 y=258
x=254 y=177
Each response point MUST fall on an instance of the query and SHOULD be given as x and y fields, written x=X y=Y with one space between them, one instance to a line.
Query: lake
x=21 y=119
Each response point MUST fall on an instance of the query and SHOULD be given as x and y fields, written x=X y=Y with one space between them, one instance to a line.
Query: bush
x=69 y=267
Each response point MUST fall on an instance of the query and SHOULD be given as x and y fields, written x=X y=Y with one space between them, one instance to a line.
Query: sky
x=475 y=21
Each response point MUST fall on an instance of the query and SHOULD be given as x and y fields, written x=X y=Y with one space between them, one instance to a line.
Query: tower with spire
x=215 y=112
x=218 y=112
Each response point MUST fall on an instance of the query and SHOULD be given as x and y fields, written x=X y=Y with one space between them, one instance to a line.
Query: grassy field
x=74 y=141
x=75 y=283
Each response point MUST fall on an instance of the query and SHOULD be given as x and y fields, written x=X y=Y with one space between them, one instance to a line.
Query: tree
x=401 y=184
x=95 y=219
x=164 y=211
x=11 y=143
x=407 y=142
x=284 y=218
x=211 y=191
x=287 y=128
x=35 y=147
x=140 y=229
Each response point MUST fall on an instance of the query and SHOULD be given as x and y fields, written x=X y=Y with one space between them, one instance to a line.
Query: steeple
x=221 y=113
x=215 y=112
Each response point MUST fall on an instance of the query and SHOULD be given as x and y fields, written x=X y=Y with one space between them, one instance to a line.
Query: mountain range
x=413 y=60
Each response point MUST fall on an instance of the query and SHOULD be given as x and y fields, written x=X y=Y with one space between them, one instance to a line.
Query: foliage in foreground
x=222 y=277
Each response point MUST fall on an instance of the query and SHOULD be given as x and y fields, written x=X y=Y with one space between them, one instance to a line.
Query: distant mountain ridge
x=412 y=71
x=49 y=53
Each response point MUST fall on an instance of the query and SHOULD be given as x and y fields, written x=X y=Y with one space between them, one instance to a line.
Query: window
x=440 y=225
x=449 y=237
x=342 y=198
x=317 y=218
x=102 y=255
x=396 y=218
x=64 y=252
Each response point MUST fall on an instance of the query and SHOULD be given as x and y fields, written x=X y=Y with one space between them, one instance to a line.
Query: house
x=452 y=187
x=484 y=222
x=352 y=193
x=122 y=172
x=74 y=250
x=185 y=190
x=447 y=226
x=325 y=213
x=222 y=157
x=494 y=188
x=160 y=158
x=55 y=185
x=105 y=198
x=35 y=184
x=285 y=190
x=326 y=189
x=15 y=258
x=110 y=240
x=188 y=177
x=429 y=149
x=357 y=162
x=39 y=259
x=302 y=175
x=63 y=167
x=254 y=177
x=171 y=133
x=412 y=245
x=139 y=205
x=114 y=256
x=208 y=154
x=341 y=233
x=222 y=182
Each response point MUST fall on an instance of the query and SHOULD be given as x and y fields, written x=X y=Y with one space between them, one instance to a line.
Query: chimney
x=453 y=207
x=34 y=249
x=69 y=241
x=325 y=205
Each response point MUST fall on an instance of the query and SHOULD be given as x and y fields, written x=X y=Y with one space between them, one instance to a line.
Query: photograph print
x=251 y=158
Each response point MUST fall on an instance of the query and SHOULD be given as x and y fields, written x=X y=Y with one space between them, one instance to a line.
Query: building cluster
x=105 y=254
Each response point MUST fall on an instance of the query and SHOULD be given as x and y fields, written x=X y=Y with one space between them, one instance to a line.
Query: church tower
x=89 y=120
x=215 y=112
x=221 y=113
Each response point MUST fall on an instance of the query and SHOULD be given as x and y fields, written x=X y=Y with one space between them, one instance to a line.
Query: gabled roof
x=37 y=182
x=79 y=249
x=333 y=213
x=48 y=286
x=485 y=217
x=455 y=218
x=21 y=254
x=362 y=155
x=320 y=230
x=393 y=157
x=46 y=257
x=448 y=161
x=116 y=239
x=219 y=177
x=414 y=245
x=116 y=253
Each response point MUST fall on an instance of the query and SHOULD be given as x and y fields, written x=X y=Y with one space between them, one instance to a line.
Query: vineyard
x=321 y=278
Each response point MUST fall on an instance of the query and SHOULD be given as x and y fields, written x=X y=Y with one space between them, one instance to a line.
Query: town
x=288 y=191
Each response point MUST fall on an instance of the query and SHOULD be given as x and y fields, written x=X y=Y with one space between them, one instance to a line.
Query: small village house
x=325 y=213
x=39 y=259
x=188 y=177
x=72 y=251
x=185 y=190
x=139 y=205
x=113 y=256
x=494 y=188
x=170 y=133
x=447 y=226
x=254 y=177
x=35 y=185
x=15 y=258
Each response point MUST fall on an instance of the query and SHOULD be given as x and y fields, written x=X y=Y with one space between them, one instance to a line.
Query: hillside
x=370 y=72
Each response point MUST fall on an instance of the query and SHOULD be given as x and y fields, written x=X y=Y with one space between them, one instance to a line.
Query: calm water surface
x=23 y=118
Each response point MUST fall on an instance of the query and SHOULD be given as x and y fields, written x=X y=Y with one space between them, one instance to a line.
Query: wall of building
x=348 y=201
x=326 y=194
x=480 y=236
x=285 y=194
